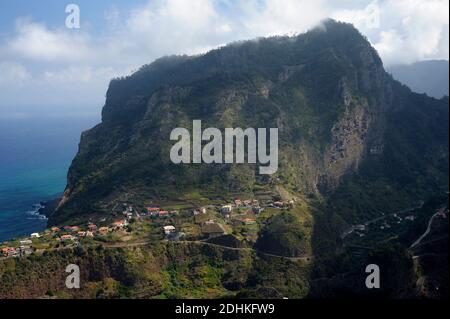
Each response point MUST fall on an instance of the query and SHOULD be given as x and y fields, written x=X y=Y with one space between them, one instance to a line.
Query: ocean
x=35 y=155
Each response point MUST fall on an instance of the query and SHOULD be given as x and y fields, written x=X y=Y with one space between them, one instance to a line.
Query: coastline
x=40 y=211
x=48 y=207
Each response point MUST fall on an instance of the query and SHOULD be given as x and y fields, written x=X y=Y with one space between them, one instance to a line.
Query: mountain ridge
x=363 y=165
x=325 y=90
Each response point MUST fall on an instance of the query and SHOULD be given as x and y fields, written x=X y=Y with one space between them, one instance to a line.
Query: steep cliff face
x=341 y=122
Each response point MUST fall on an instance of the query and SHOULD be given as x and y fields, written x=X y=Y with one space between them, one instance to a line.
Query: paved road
x=125 y=244
x=303 y=258
x=430 y=223
x=349 y=230
x=425 y=255
x=199 y=242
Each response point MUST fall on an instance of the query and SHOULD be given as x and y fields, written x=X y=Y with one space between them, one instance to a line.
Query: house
x=237 y=202
x=210 y=222
x=89 y=234
x=119 y=224
x=278 y=204
x=15 y=252
x=213 y=230
x=35 y=235
x=5 y=251
x=81 y=234
x=9 y=252
x=55 y=229
x=169 y=229
x=25 y=250
x=203 y=210
x=196 y=213
x=226 y=209
x=410 y=218
x=92 y=227
x=71 y=228
x=152 y=211
x=360 y=227
x=26 y=242
x=67 y=238
x=103 y=230
x=163 y=213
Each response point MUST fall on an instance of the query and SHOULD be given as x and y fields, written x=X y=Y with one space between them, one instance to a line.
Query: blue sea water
x=35 y=154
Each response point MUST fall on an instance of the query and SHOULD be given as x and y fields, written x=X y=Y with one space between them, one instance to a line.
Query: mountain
x=355 y=147
x=430 y=77
x=349 y=134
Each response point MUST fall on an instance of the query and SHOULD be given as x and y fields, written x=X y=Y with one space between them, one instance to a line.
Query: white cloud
x=277 y=17
x=402 y=30
x=367 y=17
x=35 y=41
x=80 y=74
x=408 y=30
x=55 y=65
x=165 y=27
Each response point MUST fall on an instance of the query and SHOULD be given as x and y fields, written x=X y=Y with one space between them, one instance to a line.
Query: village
x=240 y=218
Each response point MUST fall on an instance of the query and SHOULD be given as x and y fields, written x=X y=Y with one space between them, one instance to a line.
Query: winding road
x=430 y=223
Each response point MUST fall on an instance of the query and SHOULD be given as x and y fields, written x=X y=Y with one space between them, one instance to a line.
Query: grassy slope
x=157 y=271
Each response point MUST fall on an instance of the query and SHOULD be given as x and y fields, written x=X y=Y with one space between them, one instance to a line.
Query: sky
x=49 y=69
